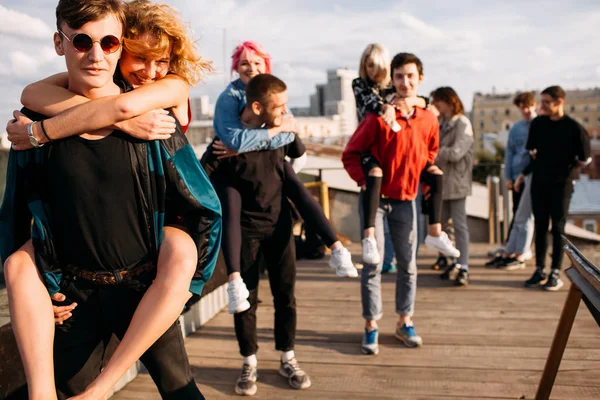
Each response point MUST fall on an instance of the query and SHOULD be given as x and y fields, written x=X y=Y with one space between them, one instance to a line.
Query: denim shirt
x=230 y=130
x=516 y=157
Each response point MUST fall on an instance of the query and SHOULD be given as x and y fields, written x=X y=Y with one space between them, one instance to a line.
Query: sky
x=470 y=45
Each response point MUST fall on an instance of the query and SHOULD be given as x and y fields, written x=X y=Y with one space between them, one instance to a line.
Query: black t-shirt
x=258 y=176
x=96 y=218
x=559 y=145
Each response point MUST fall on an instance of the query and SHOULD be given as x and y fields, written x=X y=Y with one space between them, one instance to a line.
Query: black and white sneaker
x=246 y=383
x=554 y=282
x=296 y=377
x=511 y=264
x=538 y=278
x=494 y=262
x=450 y=272
x=462 y=277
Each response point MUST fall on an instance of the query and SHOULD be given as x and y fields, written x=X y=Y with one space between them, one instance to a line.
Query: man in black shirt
x=100 y=204
x=559 y=145
x=266 y=231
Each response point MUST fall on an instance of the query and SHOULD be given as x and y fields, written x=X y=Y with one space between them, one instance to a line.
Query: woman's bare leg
x=32 y=321
x=159 y=308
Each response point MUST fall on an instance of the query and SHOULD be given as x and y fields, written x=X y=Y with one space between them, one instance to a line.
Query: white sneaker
x=370 y=254
x=442 y=244
x=238 y=296
x=341 y=260
x=528 y=255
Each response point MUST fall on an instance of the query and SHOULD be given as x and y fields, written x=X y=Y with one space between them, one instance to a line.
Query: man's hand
x=155 y=125
x=509 y=184
x=17 y=131
x=388 y=114
x=518 y=183
x=62 y=313
x=401 y=104
x=289 y=124
x=222 y=151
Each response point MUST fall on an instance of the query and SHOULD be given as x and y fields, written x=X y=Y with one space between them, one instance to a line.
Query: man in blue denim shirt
x=516 y=156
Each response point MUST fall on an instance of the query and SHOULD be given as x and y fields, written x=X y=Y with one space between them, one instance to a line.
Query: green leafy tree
x=487 y=163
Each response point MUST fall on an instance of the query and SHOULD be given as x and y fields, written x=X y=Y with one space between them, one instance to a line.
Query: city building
x=336 y=97
x=326 y=130
x=495 y=112
x=201 y=108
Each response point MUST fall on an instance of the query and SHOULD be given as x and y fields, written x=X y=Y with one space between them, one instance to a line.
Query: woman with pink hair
x=249 y=59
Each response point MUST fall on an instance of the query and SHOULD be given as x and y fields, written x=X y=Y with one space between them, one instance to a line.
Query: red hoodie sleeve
x=434 y=143
x=361 y=142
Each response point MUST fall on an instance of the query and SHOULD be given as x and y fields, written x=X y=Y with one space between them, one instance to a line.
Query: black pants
x=80 y=343
x=550 y=201
x=308 y=207
x=274 y=250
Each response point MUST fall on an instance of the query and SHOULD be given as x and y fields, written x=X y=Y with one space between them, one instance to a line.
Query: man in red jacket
x=402 y=156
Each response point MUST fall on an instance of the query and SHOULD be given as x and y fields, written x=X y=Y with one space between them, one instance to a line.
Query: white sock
x=465 y=267
x=555 y=271
x=251 y=360
x=287 y=355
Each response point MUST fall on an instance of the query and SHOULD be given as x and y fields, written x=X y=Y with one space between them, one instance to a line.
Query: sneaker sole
x=409 y=345
x=306 y=385
x=246 y=392
x=513 y=267
x=462 y=282
x=369 y=352
x=352 y=275
x=554 y=288
x=534 y=285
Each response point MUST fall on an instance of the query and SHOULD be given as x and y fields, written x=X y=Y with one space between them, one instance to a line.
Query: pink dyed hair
x=250 y=45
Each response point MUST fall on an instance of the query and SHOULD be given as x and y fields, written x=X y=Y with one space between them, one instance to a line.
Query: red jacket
x=402 y=155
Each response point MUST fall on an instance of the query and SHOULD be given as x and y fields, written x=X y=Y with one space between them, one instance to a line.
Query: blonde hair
x=381 y=58
x=168 y=34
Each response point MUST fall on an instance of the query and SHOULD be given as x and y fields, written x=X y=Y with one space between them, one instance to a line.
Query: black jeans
x=80 y=343
x=276 y=251
x=550 y=201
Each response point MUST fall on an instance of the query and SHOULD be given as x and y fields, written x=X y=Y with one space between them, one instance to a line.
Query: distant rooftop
x=586 y=197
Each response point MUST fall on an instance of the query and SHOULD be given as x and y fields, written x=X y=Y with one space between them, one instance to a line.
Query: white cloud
x=20 y=24
x=25 y=65
x=420 y=27
x=544 y=51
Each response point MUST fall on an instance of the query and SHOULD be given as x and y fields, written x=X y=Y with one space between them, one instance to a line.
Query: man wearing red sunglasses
x=99 y=203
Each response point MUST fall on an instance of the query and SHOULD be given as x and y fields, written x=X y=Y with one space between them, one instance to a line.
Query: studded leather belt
x=115 y=277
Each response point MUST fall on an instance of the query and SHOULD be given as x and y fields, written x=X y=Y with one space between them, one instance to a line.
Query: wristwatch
x=34 y=142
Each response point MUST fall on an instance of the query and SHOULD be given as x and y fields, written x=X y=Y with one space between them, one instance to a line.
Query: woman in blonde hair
x=160 y=62
x=374 y=95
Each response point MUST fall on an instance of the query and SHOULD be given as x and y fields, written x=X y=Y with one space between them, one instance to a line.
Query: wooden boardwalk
x=487 y=341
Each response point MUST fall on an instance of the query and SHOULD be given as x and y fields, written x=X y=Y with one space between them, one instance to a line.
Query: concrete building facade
x=336 y=97
x=495 y=113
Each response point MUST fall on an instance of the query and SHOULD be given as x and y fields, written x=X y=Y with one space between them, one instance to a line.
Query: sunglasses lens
x=82 y=42
x=110 y=44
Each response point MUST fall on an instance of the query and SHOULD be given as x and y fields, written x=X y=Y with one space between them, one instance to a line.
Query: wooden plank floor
x=487 y=341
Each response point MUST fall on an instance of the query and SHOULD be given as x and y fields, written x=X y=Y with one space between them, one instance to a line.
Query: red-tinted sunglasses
x=83 y=42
